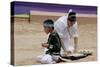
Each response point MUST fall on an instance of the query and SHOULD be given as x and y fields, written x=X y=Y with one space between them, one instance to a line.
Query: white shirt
x=66 y=34
x=61 y=27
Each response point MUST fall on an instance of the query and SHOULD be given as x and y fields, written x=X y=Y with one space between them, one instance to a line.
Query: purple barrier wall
x=25 y=7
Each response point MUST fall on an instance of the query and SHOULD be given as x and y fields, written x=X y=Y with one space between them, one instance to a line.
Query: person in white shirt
x=67 y=28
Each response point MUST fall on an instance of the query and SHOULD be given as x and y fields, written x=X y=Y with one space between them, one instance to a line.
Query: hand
x=44 y=45
x=65 y=53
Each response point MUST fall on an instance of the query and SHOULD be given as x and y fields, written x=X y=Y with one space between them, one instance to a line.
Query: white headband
x=48 y=25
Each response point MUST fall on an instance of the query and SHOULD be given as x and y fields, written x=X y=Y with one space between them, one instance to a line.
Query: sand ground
x=29 y=36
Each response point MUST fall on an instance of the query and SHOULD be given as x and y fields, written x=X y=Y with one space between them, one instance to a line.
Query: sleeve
x=74 y=30
x=59 y=26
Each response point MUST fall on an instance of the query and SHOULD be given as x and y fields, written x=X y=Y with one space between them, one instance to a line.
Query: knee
x=38 y=58
x=46 y=59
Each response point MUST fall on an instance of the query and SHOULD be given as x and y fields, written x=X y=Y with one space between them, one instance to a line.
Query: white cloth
x=62 y=29
x=47 y=59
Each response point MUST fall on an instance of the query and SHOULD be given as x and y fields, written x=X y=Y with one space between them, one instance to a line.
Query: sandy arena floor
x=28 y=39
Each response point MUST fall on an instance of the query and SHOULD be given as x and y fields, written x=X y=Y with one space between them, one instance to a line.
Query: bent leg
x=47 y=59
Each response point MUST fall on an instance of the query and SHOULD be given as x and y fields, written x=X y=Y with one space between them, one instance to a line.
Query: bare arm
x=75 y=43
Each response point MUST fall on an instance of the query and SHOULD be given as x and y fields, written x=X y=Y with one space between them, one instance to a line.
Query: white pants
x=47 y=59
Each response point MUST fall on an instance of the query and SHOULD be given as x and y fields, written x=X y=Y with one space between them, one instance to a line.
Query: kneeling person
x=53 y=44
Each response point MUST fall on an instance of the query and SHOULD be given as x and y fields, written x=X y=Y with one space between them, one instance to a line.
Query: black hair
x=48 y=23
x=72 y=16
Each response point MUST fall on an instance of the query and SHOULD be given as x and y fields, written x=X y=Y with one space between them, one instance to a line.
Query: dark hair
x=48 y=23
x=72 y=16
